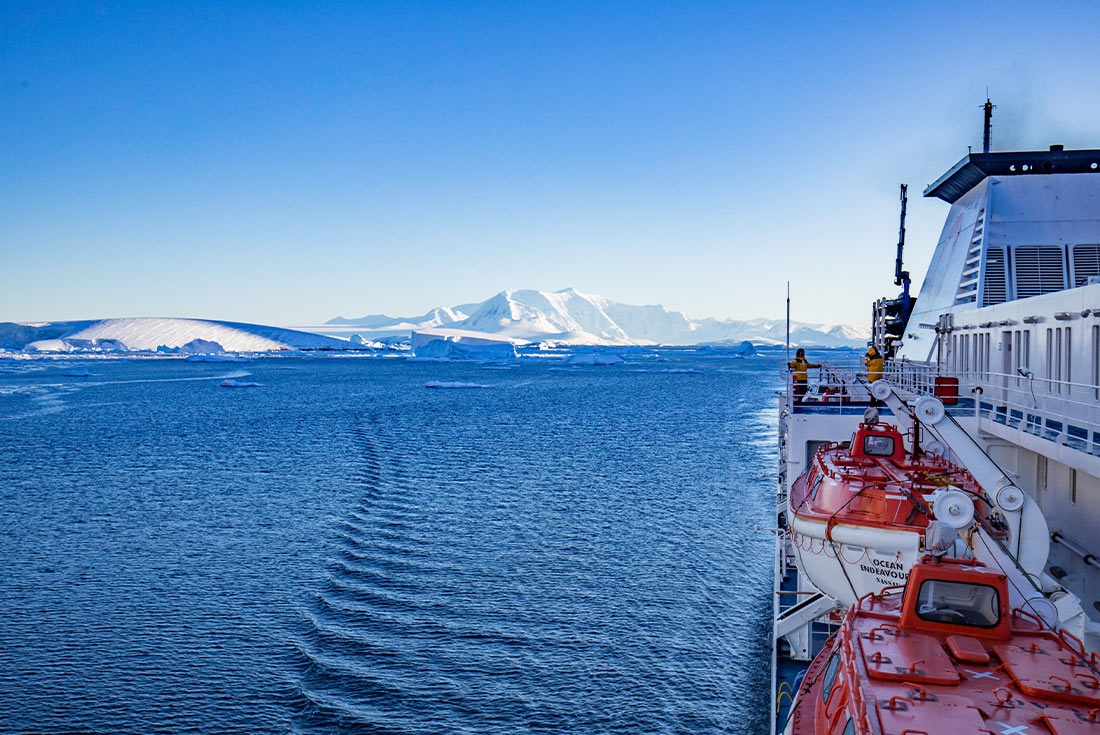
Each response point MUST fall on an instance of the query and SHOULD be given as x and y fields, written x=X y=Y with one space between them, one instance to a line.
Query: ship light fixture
x=1063 y=316
x=1031 y=320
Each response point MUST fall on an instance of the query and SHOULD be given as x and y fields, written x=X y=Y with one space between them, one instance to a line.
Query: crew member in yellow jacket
x=873 y=361
x=800 y=368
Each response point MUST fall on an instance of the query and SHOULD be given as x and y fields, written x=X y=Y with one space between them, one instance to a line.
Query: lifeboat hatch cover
x=915 y=658
x=1049 y=670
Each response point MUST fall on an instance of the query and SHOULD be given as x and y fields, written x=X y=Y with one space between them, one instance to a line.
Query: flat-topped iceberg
x=454 y=344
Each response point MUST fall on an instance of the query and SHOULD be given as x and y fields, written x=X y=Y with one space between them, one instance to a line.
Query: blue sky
x=286 y=163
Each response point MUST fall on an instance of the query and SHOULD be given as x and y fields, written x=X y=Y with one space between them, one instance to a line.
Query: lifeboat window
x=815 y=487
x=875 y=445
x=959 y=603
x=830 y=677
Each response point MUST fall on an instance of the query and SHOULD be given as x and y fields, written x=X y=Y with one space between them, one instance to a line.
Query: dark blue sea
x=341 y=549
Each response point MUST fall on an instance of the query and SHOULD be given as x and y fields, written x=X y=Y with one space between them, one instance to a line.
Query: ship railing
x=1062 y=411
x=840 y=386
x=1065 y=412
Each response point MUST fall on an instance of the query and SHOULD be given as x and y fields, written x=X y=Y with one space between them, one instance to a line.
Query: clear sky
x=289 y=162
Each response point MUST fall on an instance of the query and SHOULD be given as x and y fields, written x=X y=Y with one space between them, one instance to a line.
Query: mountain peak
x=569 y=316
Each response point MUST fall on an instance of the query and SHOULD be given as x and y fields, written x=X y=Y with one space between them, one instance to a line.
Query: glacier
x=164 y=335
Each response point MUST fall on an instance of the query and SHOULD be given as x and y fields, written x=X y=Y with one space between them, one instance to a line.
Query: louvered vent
x=1086 y=262
x=1038 y=270
x=995 y=285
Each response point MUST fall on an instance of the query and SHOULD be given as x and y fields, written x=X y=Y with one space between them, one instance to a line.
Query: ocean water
x=342 y=549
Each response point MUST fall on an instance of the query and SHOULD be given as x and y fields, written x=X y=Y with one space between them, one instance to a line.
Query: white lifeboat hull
x=853 y=560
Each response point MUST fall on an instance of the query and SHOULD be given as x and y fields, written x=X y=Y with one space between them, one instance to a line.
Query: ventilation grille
x=1086 y=263
x=995 y=285
x=1038 y=270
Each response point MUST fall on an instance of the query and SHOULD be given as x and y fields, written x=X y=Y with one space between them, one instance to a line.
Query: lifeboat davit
x=948 y=654
x=857 y=516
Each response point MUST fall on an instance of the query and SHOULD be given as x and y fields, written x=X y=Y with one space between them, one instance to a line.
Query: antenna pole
x=788 y=321
x=987 y=136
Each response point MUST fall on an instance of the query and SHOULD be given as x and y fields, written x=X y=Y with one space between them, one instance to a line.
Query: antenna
x=987 y=136
x=901 y=276
x=788 y=321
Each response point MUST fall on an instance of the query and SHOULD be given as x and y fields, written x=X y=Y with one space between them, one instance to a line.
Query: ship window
x=878 y=446
x=816 y=486
x=958 y=603
x=830 y=677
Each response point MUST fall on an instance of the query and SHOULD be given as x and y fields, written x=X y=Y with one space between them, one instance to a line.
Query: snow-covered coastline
x=497 y=327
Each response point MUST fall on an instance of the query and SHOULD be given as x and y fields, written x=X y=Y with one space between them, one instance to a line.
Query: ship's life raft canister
x=947 y=390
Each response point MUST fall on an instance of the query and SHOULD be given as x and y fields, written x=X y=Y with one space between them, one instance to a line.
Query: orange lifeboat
x=858 y=514
x=948 y=655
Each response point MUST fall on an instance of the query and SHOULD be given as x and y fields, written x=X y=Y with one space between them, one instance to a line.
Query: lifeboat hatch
x=1070 y=722
x=965 y=648
x=1045 y=668
x=944 y=714
x=915 y=657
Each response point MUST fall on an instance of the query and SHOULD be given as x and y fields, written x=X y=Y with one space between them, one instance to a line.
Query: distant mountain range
x=571 y=317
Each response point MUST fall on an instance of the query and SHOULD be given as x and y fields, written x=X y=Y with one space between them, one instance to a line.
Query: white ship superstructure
x=1006 y=332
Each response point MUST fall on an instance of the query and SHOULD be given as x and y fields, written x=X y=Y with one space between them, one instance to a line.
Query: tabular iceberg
x=453 y=344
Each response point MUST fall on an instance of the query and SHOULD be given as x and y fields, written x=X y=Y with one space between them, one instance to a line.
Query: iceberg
x=453 y=344
x=453 y=384
x=594 y=358
x=231 y=383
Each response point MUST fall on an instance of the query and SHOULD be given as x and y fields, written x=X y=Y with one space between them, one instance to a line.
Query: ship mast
x=987 y=135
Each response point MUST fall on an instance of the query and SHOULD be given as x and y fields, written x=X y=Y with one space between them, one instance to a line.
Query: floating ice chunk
x=77 y=373
x=214 y=358
x=202 y=347
x=594 y=358
x=49 y=345
x=681 y=370
x=453 y=384
x=231 y=383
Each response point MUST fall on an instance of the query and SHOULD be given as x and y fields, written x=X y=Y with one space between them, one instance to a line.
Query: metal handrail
x=1059 y=410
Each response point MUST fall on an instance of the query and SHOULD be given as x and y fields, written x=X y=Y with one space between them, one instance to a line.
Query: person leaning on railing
x=800 y=372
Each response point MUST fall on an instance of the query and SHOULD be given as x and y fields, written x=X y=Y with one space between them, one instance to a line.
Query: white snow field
x=183 y=336
x=569 y=317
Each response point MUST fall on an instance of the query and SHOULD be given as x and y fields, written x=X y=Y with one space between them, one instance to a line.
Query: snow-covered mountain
x=571 y=317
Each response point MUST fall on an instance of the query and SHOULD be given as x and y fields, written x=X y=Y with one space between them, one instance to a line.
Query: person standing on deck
x=800 y=368
x=873 y=360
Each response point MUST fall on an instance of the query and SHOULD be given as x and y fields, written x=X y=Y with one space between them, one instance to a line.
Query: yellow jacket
x=874 y=367
x=800 y=367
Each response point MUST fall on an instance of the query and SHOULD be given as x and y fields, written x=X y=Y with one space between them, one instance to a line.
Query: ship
x=984 y=425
